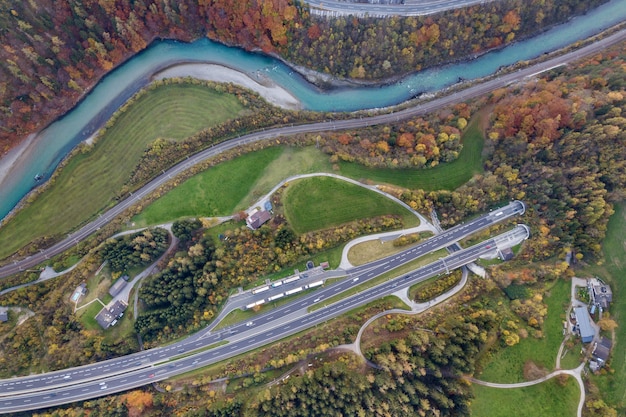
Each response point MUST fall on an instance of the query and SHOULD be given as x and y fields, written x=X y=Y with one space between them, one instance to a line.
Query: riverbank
x=255 y=81
x=15 y=156
x=264 y=86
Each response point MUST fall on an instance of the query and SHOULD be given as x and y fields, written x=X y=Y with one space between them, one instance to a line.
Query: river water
x=56 y=141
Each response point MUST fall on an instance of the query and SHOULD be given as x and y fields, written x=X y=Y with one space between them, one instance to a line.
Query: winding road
x=355 y=123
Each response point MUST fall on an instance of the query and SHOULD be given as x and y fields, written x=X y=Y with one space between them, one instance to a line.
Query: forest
x=54 y=52
x=423 y=142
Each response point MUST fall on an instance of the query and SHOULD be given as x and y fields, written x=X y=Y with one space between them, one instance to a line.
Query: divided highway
x=417 y=110
x=398 y=8
x=290 y=321
x=142 y=368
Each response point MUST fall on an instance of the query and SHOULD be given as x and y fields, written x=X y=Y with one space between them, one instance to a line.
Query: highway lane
x=409 y=8
x=417 y=110
x=144 y=359
x=252 y=339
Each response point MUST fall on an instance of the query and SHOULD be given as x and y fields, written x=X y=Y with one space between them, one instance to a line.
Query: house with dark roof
x=4 y=314
x=257 y=218
x=109 y=316
x=602 y=350
x=583 y=324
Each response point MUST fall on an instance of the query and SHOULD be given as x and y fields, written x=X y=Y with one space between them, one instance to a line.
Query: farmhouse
x=257 y=218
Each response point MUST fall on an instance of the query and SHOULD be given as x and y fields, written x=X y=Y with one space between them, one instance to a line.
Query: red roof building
x=257 y=219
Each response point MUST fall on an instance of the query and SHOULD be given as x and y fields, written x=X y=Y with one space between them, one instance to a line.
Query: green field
x=214 y=192
x=233 y=185
x=447 y=176
x=507 y=364
x=613 y=270
x=292 y=161
x=90 y=181
x=546 y=399
x=323 y=202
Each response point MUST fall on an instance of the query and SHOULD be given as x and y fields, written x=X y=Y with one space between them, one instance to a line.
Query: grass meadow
x=549 y=398
x=90 y=181
x=323 y=202
x=214 y=192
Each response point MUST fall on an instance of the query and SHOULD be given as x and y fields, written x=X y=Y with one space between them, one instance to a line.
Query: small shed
x=4 y=314
x=117 y=287
x=583 y=323
x=258 y=218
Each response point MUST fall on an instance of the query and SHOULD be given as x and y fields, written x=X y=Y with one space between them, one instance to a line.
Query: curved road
x=419 y=109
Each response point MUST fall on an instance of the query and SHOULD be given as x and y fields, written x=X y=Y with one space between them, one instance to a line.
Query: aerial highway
x=357 y=122
x=367 y=271
x=243 y=337
x=390 y=7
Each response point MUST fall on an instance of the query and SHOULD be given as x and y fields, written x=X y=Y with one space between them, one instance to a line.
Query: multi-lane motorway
x=419 y=109
x=115 y=375
x=390 y=8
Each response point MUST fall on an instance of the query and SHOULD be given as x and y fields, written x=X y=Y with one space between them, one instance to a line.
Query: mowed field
x=549 y=398
x=323 y=202
x=90 y=181
x=446 y=176
x=232 y=185
x=214 y=192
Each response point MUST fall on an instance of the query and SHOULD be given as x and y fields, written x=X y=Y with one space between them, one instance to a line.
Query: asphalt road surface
x=409 y=8
x=244 y=337
x=419 y=109
x=115 y=375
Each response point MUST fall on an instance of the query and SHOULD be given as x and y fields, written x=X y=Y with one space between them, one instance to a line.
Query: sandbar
x=255 y=81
